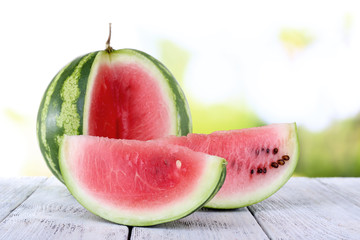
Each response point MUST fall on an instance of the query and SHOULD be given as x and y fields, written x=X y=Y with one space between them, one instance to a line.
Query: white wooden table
x=320 y=208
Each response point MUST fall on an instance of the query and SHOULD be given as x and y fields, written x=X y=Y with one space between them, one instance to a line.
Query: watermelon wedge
x=138 y=183
x=123 y=93
x=260 y=161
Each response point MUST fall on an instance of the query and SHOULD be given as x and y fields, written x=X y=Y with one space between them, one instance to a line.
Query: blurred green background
x=241 y=64
x=331 y=151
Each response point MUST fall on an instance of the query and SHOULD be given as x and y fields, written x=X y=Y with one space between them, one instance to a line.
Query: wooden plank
x=205 y=224
x=309 y=209
x=348 y=188
x=13 y=191
x=52 y=213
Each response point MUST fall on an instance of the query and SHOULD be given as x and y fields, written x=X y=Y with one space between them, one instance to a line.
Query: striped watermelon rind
x=64 y=106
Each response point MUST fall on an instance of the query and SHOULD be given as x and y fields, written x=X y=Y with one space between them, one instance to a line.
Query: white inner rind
x=202 y=191
x=126 y=56
x=269 y=186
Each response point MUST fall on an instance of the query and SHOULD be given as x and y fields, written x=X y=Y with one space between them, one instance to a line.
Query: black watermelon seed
x=281 y=162
x=267 y=150
x=262 y=149
x=275 y=151
x=274 y=165
x=264 y=170
x=285 y=157
x=252 y=171
x=259 y=170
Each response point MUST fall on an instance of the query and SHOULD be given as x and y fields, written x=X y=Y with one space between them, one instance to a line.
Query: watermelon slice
x=260 y=161
x=138 y=183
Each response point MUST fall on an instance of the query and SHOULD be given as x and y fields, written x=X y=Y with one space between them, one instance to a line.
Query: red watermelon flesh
x=132 y=104
x=260 y=160
x=137 y=182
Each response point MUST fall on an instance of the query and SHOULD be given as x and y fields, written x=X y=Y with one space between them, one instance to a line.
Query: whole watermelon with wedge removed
x=260 y=160
x=124 y=94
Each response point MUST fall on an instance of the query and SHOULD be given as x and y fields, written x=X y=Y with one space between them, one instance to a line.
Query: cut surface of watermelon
x=260 y=160
x=138 y=183
x=129 y=97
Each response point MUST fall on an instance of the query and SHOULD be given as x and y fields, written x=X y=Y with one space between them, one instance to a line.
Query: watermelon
x=260 y=160
x=123 y=93
x=138 y=183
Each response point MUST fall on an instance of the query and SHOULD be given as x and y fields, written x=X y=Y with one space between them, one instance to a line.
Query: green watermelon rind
x=211 y=183
x=268 y=190
x=57 y=117
x=49 y=129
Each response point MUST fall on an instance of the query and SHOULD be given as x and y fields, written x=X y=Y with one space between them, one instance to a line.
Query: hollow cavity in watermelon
x=138 y=183
x=123 y=94
x=260 y=161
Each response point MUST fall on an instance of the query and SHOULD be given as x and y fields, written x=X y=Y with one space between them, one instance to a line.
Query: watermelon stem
x=109 y=49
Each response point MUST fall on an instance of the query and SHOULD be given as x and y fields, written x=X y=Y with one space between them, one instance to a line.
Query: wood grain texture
x=205 y=224
x=13 y=191
x=52 y=213
x=312 y=209
x=321 y=208
x=348 y=188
